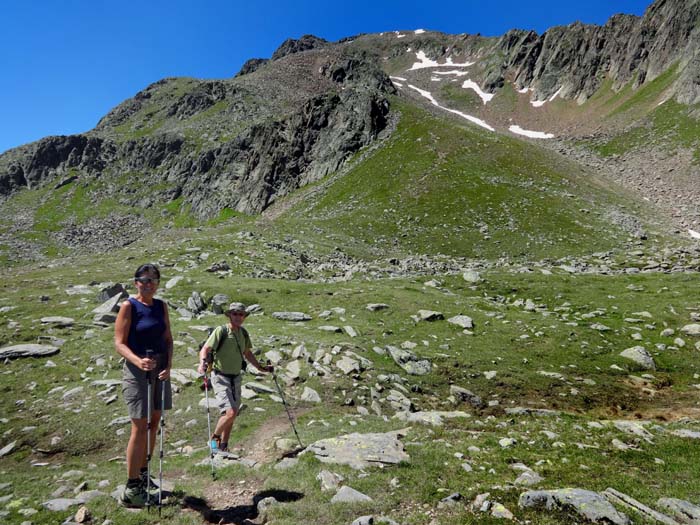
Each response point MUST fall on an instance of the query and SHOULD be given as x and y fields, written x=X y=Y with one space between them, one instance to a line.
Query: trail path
x=260 y=447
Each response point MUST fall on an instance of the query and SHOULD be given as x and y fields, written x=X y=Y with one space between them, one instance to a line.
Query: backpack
x=210 y=357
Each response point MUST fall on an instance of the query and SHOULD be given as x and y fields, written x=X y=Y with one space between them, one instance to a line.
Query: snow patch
x=694 y=234
x=532 y=134
x=419 y=31
x=398 y=78
x=470 y=84
x=556 y=94
x=470 y=118
x=425 y=62
x=539 y=103
x=524 y=90
x=435 y=79
x=453 y=72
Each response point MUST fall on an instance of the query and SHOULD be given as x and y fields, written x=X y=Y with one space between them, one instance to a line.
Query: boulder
x=641 y=356
x=361 y=450
x=587 y=504
x=27 y=350
x=291 y=316
x=409 y=361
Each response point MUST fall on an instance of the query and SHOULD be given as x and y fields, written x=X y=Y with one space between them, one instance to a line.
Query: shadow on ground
x=241 y=514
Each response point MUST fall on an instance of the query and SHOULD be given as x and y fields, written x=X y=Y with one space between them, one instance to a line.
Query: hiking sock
x=131 y=483
x=224 y=446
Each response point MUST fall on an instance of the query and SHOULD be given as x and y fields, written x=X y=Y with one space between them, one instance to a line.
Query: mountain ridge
x=242 y=143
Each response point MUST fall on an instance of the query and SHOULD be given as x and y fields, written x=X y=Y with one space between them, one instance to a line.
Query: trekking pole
x=279 y=389
x=149 y=393
x=162 y=431
x=209 y=440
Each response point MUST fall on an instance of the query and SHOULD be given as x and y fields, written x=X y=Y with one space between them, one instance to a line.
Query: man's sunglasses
x=147 y=280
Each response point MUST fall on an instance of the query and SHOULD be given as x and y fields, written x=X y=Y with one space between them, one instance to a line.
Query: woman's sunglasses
x=147 y=280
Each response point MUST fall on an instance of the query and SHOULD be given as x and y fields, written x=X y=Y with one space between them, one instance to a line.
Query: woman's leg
x=136 y=449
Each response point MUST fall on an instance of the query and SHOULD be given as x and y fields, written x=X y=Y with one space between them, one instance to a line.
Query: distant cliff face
x=281 y=123
x=238 y=143
x=577 y=57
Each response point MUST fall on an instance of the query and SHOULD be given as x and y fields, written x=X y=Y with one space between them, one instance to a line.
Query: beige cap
x=237 y=307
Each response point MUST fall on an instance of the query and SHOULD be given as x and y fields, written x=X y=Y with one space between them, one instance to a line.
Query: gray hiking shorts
x=135 y=392
x=227 y=389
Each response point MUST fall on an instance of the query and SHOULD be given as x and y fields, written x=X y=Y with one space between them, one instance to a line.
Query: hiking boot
x=134 y=497
x=143 y=476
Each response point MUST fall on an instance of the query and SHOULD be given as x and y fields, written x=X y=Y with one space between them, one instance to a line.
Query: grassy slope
x=440 y=183
x=438 y=187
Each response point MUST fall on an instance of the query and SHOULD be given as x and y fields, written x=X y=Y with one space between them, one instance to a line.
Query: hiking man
x=230 y=345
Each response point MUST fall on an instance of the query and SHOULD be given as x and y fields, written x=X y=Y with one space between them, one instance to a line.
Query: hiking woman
x=142 y=337
x=230 y=345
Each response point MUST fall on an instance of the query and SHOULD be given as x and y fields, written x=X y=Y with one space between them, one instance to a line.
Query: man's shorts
x=135 y=392
x=227 y=389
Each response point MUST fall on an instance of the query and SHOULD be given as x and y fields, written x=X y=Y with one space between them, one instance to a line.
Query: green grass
x=649 y=93
x=670 y=126
x=405 y=492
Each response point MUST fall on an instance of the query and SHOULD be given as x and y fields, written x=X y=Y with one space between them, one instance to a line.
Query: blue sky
x=65 y=63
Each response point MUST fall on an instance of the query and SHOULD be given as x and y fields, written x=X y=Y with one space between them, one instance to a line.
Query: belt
x=230 y=376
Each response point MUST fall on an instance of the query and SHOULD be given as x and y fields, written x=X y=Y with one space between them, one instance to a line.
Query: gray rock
x=691 y=329
x=472 y=276
x=219 y=303
x=430 y=417
x=111 y=305
x=111 y=290
x=260 y=388
x=291 y=316
x=63 y=322
x=375 y=307
x=498 y=510
x=463 y=321
x=450 y=501
x=347 y=365
x=428 y=315
x=686 y=433
x=528 y=478
x=330 y=328
x=361 y=450
x=586 y=503
x=287 y=463
x=104 y=318
x=409 y=361
x=682 y=510
x=329 y=480
x=7 y=449
x=61 y=504
x=119 y=421
x=399 y=401
x=349 y=495
x=172 y=283
x=310 y=395
x=641 y=356
x=196 y=303
x=466 y=396
x=27 y=350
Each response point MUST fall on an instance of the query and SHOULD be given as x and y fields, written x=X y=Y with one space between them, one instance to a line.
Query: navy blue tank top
x=147 y=328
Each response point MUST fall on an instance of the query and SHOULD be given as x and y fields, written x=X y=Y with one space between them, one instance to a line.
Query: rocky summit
x=472 y=261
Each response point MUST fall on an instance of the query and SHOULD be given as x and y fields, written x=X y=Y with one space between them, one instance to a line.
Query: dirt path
x=234 y=501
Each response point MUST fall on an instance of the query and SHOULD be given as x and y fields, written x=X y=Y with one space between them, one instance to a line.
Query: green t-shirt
x=228 y=346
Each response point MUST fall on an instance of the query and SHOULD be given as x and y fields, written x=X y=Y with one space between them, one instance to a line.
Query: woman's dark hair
x=147 y=268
